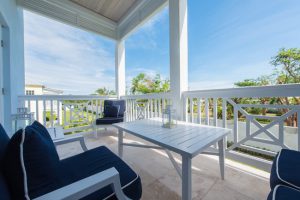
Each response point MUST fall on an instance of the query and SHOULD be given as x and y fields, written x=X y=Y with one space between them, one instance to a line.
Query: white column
x=178 y=52
x=120 y=68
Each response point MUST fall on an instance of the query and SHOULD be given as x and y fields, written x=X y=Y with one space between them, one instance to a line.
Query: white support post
x=120 y=68
x=178 y=53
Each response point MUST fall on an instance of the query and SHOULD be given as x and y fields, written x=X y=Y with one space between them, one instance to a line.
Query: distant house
x=34 y=89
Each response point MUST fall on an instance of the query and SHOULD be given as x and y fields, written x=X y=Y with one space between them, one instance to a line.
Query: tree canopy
x=104 y=92
x=143 y=84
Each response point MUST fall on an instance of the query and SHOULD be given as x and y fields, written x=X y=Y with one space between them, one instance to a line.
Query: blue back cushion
x=111 y=111
x=4 y=140
x=12 y=170
x=120 y=103
x=40 y=159
x=45 y=134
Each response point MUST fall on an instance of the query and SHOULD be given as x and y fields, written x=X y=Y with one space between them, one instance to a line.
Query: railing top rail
x=63 y=97
x=148 y=96
x=290 y=90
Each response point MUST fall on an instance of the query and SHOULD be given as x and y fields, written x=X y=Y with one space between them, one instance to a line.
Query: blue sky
x=228 y=41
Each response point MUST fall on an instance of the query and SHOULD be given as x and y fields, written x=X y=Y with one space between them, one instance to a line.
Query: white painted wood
x=215 y=111
x=111 y=9
x=192 y=137
x=66 y=140
x=120 y=142
x=187 y=139
x=120 y=68
x=186 y=178
x=84 y=187
x=72 y=14
x=290 y=90
x=224 y=113
x=191 y=110
x=44 y=112
x=174 y=163
x=199 y=113
x=222 y=157
x=137 y=15
x=235 y=124
x=206 y=111
x=178 y=23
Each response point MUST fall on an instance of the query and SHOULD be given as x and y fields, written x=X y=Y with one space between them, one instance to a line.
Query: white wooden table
x=186 y=139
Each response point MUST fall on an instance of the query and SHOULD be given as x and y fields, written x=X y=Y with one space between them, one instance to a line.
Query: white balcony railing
x=258 y=116
x=146 y=105
x=73 y=112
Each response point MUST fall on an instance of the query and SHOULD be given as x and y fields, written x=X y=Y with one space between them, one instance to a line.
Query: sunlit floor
x=161 y=182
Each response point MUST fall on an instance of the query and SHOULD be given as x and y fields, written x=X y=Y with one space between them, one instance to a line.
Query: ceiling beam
x=139 y=13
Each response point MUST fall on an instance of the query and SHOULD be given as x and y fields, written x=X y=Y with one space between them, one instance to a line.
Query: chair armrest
x=87 y=186
x=78 y=138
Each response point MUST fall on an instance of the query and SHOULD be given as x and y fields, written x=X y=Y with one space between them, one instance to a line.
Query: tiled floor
x=161 y=181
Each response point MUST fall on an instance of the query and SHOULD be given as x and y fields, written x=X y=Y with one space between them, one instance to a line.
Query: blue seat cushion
x=40 y=161
x=285 y=169
x=97 y=160
x=4 y=192
x=282 y=192
x=111 y=111
x=109 y=120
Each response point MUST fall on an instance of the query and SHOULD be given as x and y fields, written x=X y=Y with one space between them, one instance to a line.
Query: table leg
x=186 y=178
x=222 y=157
x=120 y=143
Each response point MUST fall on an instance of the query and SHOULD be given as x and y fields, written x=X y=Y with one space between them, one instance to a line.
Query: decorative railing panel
x=263 y=119
x=73 y=112
x=146 y=106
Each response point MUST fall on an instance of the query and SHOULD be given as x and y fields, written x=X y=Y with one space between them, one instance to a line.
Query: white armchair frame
x=86 y=186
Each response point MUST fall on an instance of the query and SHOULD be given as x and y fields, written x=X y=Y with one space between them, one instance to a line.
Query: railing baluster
x=191 y=110
x=37 y=110
x=235 y=124
x=185 y=109
x=207 y=111
x=51 y=113
x=159 y=107
x=215 y=110
x=44 y=112
x=151 y=108
x=58 y=111
x=199 y=113
x=224 y=113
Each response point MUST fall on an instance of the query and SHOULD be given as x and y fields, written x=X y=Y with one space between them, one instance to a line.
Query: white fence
x=146 y=106
x=210 y=107
x=261 y=133
x=73 y=112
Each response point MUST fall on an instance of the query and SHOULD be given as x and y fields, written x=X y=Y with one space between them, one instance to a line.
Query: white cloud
x=63 y=57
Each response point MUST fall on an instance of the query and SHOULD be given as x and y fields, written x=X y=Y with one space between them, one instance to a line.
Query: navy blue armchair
x=30 y=168
x=114 y=112
x=285 y=176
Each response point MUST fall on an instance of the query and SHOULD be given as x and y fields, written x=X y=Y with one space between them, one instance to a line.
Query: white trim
x=137 y=176
x=23 y=165
x=277 y=172
x=276 y=188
